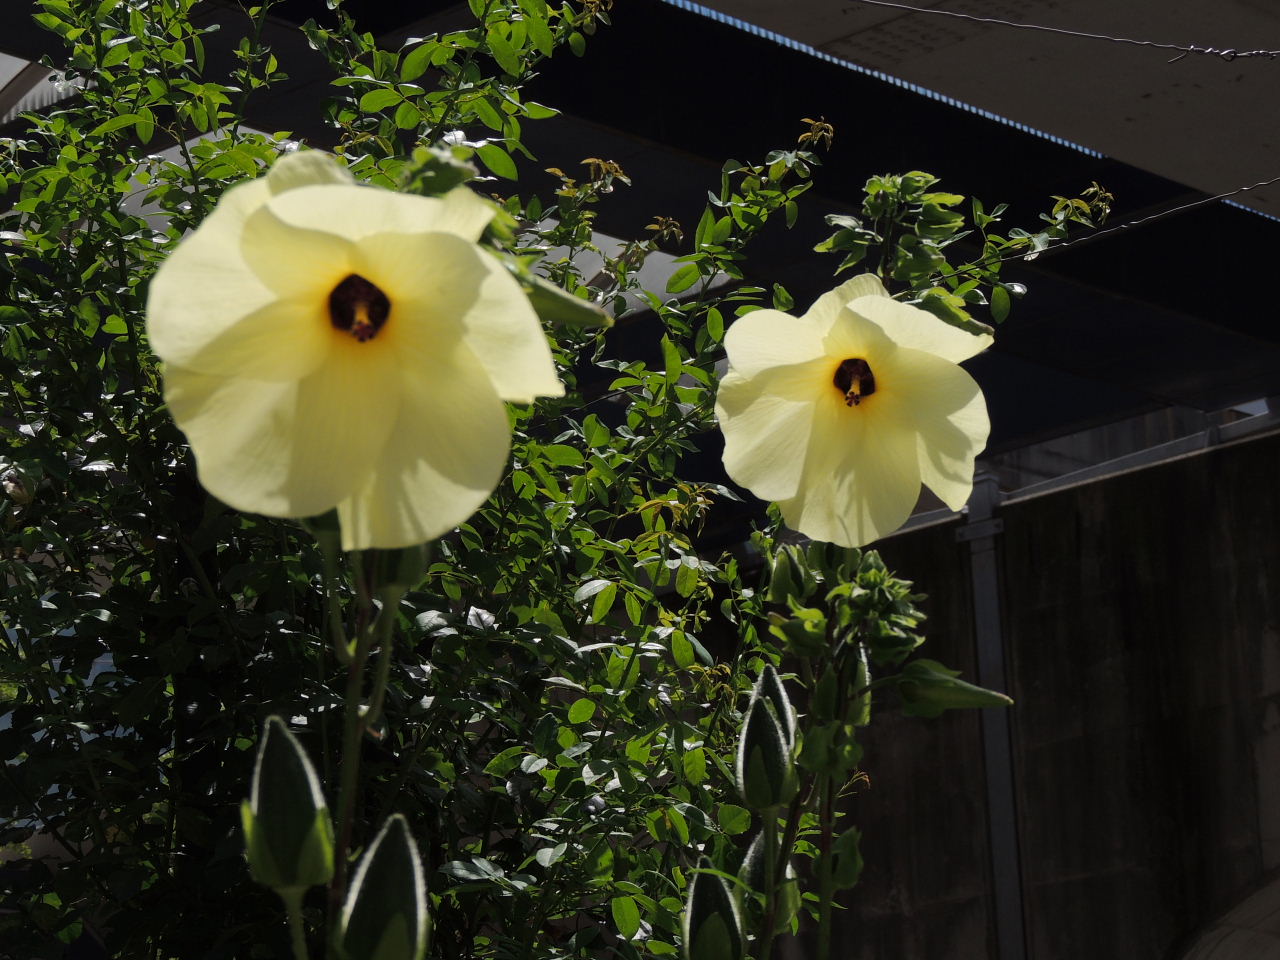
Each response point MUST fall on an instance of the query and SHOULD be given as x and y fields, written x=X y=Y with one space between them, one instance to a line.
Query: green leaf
x=376 y=100
x=550 y=855
x=683 y=278
x=540 y=34
x=498 y=161
x=504 y=762
x=417 y=61
x=671 y=360
x=733 y=819
x=681 y=649
x=503 y=53
x=595 y=432
x=686 y=580
x=604 y=603
x=118 y=53
x=1000 y=304
x=695 y=765
x=407 y=116
x=590 y=589
x=562 y=455
x=626 y=916
x=848 y=859
x=715 y=324
x=145 y=127
x=582 y=710
x=115 y=123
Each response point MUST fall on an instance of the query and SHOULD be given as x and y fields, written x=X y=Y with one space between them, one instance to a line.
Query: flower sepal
x=561 y=308
x=928 y=689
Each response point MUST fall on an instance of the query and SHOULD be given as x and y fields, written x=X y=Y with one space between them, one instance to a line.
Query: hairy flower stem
x=826 y=815
x=770 y=884
x=356 y=721
x=293 y=908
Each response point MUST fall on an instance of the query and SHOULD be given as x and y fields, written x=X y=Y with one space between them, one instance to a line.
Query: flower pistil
x=855 y=380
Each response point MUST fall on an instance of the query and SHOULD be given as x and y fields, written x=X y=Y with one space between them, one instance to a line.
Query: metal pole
x=1002 y=817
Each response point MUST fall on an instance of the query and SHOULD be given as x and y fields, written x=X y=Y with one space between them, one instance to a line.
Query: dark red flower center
x=854 y=380
x=358 y=307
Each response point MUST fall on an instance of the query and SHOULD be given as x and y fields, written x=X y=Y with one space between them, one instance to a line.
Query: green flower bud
x=765 y=772
x=288 y=835
x=712 y=925
x=385 y=916
x=805 y=634
x=928 y=688
x=782 y=580
x=769 y=686
x=825 y=696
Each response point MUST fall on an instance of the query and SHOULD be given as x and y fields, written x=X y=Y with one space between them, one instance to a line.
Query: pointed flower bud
x=782 y=580
x=765 y=771
x=385 y=916
x=769 y=686
x=288 y=835
x=712 y=925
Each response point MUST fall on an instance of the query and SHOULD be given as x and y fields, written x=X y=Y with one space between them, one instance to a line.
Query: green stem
x=385 y=629
x=293 y=908
x=357 y=720
x=770 y=884
x=825 y=879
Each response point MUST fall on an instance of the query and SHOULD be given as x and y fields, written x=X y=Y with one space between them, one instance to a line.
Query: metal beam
x=980 y=531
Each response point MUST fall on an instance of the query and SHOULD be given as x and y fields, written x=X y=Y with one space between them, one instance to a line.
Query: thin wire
x=1227 y=54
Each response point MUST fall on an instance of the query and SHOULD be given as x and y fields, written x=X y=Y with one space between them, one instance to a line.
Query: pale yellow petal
x=444 y=288
x=766 y=420
x=204 y=287
x=306 y=168
x=769 y=338
x=852 y=336
x=289 y=449
x=284 y=340
x=442 y=461
x=464 y=213
x=861 y=476
x=293 y=261
x=824 y=309
x=946 y=409
x=356 y=212
x=918 y=329
x=246 y=294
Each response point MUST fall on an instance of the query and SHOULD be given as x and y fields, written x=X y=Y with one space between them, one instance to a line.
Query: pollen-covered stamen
x=358 y=307
x=854 y=380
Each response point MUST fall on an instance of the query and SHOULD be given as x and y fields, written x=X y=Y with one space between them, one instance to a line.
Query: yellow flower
x=334 y=345
x=841 y=414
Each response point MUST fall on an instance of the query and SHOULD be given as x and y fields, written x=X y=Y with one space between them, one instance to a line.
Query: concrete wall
x=1141 y=626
